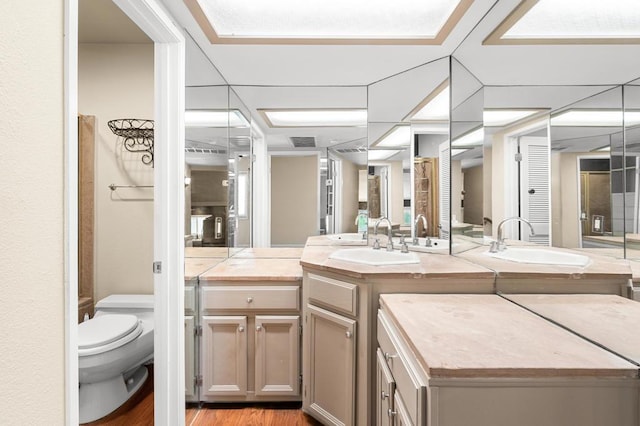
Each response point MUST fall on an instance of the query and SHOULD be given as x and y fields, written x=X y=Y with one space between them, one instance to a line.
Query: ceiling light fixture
x=314 y=117
x=503 y=117
x=327 y=21
x=596 y=118
x=570 y=22
x=398 y=136
x=215 y=118
x=470 y=139
x=435 y=107
x=381 y=154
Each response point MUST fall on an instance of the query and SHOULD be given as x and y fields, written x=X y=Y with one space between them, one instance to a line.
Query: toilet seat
x=106 y=332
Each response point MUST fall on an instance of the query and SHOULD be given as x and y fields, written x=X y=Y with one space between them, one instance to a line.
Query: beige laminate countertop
x=600 y=267
x=193 y=267
x=608 y=320
x=486 y=336
x=430 y=266
x=220 y=252
x=270 y=253
x=254 y=269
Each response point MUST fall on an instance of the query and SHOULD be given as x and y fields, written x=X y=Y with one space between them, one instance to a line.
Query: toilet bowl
x=113 y=349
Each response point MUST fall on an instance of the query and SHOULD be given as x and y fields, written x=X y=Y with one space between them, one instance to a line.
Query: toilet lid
x=106 y=329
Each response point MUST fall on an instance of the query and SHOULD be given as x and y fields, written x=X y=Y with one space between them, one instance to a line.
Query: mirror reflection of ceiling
x=302 y=76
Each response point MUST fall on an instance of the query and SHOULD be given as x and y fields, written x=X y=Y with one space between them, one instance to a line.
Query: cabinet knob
x=249 y=299
x=258 y=327
x=348 y=334
x=391 y=413
x=384 y=395
x=388 y=356
x=241 y=329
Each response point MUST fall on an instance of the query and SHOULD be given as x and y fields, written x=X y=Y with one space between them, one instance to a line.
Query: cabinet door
x=330 y=368
x=224 y=356
x=400 y=412
x=277 y=349
x=385 y=386
x=189 y=358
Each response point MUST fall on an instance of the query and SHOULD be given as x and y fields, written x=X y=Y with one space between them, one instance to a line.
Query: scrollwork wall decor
x=137 y=135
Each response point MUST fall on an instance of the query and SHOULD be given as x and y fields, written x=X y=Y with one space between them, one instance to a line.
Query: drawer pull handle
x=348 y=334
x=388 y=356
x=258 y=327
x=391 y=413
x=241 y=329
x=249 y=299
x=384 y=395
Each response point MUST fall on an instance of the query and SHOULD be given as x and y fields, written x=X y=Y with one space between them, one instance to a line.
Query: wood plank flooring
x=138 y=411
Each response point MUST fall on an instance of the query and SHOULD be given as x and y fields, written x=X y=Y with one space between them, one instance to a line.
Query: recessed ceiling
x=570 y=22
x=327 y=21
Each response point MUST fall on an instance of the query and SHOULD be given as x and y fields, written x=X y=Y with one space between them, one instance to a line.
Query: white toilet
x=113 y=348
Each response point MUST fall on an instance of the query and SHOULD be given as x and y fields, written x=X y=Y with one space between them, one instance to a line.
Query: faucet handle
x=376 y=244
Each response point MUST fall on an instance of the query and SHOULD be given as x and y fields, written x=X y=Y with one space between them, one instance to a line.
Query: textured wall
x=31 y=213
x=116 y=81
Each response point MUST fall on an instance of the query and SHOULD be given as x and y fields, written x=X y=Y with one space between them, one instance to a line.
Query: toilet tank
x=126 y=303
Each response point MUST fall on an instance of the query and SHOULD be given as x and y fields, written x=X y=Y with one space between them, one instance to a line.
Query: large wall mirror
x=466 y=165
x=206 y=150
x=408 y=134
x=632 y=168
x=552 y=155
x=309 y=153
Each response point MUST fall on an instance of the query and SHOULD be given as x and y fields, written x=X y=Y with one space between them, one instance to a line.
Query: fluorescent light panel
x=381 y=154
x=576 y=19
x=328 y=18
x=214 y=118
x=596 y=118
x=436 y=109
x=471 y=139
x=316 y=117
x=399 y=136
x=503 y=117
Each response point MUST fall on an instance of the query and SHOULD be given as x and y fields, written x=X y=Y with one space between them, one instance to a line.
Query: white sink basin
x=369 y=256
x=540 y=256
x=437 y=245
x=350 y=237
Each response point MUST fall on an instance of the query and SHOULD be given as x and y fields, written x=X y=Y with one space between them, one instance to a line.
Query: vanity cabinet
x=250 y=344
x=451 y=366
x=330 y=349
x=331 y=368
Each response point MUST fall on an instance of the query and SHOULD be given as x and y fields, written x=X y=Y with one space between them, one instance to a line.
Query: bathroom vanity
x=249 y=328
x=340 y=301
x=448 y=360
x=601 y=275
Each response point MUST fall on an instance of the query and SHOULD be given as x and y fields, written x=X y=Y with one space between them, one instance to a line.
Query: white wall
x=116 y=81
x=32 y=215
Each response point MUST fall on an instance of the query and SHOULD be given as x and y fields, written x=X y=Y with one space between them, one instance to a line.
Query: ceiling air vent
x=351 y=150
x=303 y=141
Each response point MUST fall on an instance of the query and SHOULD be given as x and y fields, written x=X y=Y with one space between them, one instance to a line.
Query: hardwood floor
x=138 y=411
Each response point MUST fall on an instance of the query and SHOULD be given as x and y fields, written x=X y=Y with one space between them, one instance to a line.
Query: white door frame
x=169 y=81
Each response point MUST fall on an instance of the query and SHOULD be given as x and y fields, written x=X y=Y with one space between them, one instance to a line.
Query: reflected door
x=534 y=188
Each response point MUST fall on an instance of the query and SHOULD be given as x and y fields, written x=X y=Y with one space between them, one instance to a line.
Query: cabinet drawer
x=338 y=295
x=404 y=372
x=251 y=297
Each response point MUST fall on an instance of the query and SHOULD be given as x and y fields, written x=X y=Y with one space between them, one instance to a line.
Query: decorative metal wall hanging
x=137 y=136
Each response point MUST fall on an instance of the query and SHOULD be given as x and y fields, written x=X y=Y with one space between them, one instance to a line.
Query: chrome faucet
x=415 y=228
x=375 y=232
x=499 y=245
